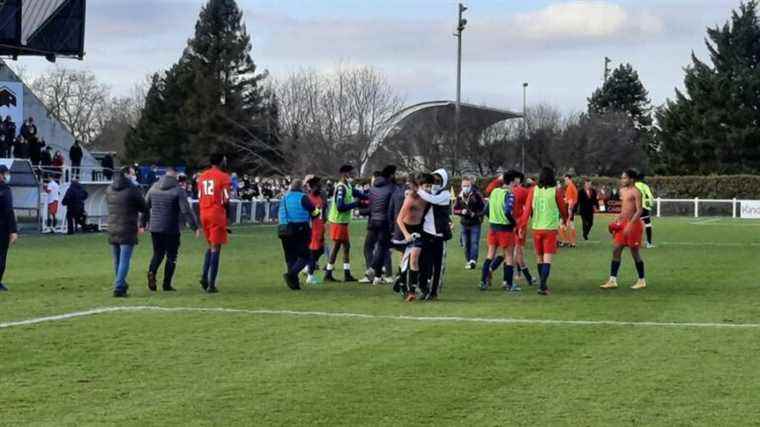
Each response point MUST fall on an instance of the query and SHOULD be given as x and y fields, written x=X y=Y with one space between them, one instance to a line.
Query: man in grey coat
x=125 y=205
x=167 y=208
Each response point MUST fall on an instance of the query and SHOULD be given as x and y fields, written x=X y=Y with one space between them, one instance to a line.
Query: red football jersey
x=521 y=197
x=214 y=190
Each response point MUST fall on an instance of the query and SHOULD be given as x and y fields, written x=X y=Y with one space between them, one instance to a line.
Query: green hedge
x=681 y=187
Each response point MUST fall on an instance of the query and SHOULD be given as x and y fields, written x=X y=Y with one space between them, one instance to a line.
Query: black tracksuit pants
x=165 y=245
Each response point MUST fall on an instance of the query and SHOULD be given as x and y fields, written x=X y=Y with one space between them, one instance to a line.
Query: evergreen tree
x=714 y=125
x=624 y=93
x=212 y=100
x=226 y=110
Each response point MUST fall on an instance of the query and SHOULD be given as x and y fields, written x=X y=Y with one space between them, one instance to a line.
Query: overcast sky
x=556 y=46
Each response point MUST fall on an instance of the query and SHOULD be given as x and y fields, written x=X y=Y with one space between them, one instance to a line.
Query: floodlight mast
x=461 y=25
x=525 y=123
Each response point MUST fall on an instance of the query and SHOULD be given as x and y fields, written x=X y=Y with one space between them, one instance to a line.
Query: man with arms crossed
x=214 y=195
x=627 y=231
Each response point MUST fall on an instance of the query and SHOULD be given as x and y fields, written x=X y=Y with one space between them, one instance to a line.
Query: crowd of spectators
x=255 y=188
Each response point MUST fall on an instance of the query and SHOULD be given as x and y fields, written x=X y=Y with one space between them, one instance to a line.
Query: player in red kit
x=214 y=187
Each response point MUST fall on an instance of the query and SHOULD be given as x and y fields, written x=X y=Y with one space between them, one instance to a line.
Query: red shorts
x=339 y=233
x=520 y=241
x=545 y=242
x=317 y=235
x=215 y=229
x=633 y=240
x=501 y=239
x=53 y=208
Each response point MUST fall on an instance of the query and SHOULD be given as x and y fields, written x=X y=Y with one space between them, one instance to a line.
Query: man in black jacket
x=587 y=205
x=107 y=164
x=125 y=205
x=75 y=155
x=436 y=231
x=470 y=206
x=74 y=201
x=8 y=229
x=166 y=208
x=378 y=240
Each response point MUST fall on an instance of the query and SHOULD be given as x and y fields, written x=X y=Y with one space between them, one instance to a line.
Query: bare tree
x=76 y=99
x=332 y=118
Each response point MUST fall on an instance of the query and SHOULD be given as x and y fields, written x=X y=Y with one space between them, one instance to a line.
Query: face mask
x=7 y=178
x=133 y=179
x=437 y=188
x=466 y=190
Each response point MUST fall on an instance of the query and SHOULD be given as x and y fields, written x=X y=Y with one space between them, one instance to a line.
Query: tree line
x=215 y=99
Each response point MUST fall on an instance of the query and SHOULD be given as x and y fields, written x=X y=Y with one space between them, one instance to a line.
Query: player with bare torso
x=410 y=223
x=627 y=231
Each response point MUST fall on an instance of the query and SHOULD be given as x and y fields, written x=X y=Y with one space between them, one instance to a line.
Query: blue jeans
x=122 y=255
x=471 y=242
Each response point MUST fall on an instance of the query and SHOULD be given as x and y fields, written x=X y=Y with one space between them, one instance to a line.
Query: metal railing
x=250 y=211
x=698 y=207
x=85 y=174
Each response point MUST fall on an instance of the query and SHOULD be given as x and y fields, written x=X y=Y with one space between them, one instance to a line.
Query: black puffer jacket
x=125 y=204
x=379 y=200
x=394 y=207
x=166 y=206
x=75 y=196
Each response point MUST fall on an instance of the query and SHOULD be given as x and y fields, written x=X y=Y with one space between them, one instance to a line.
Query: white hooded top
x=442 y=197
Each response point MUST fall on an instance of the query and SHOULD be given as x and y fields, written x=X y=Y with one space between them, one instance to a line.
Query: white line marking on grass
x=60 y=317
x=705 y=221
x=694 y=244
x=431 y=319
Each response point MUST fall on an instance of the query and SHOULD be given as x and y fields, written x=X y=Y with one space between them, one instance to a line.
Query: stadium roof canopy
x=416 y=120
x=48 y=28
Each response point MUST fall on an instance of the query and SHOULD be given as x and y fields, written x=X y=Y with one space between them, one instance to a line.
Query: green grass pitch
x=237 y=368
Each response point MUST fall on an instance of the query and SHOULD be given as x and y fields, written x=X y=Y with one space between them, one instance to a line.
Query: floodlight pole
x=525 y=124
x=461 y=24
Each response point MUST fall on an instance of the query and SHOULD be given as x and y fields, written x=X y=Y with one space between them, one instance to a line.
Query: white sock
x=311 y=277
x=613 y=279
x=330 y=267
x=346 y=266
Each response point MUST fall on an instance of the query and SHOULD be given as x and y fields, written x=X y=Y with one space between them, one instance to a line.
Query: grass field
x=254 y=368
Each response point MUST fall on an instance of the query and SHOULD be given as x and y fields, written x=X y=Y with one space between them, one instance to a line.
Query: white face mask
x=7 y=178
x=436 y=188
x=133 y=179
x=466 y=190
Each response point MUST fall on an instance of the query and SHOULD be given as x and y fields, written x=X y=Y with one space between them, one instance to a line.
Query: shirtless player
x=410 y=223
x=627 y=231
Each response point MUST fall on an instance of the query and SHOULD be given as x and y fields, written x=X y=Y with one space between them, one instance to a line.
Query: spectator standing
x=20 y=148
x=46 y=159
x=587 y=204
x=9 y=129
x=166 y=208
x=5 y=146
x=235 y=185
x=470 y=206
x=107 y=164
x=53 y=191
x=57 y=165
x=29 y=130
x=75 y=156
x=35 y=150
x=74 y=200
x=378 y=240
x=8 y=229
x=125 y=205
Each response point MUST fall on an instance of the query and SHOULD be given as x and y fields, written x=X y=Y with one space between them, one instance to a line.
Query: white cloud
x=599 y=20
